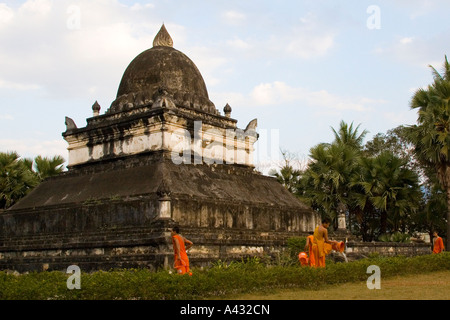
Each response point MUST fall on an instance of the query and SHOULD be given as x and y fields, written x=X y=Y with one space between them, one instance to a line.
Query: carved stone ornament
x=163 y=38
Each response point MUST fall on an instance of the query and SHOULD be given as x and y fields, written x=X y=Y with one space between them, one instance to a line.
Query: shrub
x=296 y=245
x=220 y=280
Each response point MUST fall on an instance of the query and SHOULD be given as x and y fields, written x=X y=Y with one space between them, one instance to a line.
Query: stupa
x=161 y=155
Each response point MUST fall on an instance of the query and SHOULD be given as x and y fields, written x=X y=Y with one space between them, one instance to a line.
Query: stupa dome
x=162 y=70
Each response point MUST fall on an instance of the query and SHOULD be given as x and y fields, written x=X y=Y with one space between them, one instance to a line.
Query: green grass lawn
x=430 y=286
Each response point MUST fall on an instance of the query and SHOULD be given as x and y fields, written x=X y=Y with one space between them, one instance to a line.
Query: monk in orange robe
x=438 y=243
x=309 y=249
x=180 y=245
x=321 y=245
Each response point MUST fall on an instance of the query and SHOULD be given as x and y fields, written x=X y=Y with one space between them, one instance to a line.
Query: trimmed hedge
x=222 y=279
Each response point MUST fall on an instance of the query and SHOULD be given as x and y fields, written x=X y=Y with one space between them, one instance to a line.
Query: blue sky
x=299 y=67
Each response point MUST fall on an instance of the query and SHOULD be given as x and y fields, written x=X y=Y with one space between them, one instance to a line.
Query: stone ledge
x=386 y=244
x=387 y=248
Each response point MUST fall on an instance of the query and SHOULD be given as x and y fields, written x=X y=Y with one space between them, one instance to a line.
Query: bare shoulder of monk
x=322 y=230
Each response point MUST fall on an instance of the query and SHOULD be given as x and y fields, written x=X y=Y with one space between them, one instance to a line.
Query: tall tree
x=396 y=141
x=18 y=176
x=390 y=188
x=16 y=179
x=46 y=167
x=431 y=135
x=325 y=184
x=349 y=136
x=289 y=174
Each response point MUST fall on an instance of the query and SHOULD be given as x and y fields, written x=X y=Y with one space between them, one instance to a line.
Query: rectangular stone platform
x=119 y=215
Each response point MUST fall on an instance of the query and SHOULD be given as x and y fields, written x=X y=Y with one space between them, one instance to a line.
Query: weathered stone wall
x=104 y=234
x=387 y=248
x=91 y=216
x=241 y=216
x=145 y=247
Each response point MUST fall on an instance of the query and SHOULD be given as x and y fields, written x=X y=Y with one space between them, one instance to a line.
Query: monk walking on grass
x=180 y=245
x=320 y=239
x=438 y=246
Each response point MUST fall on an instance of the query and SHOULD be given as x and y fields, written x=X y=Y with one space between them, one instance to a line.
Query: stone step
x=31 y=245
x=86 y=263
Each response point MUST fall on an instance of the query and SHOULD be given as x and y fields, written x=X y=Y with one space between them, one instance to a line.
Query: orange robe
x=311 y=261
x=438 y=245
x=181 y=265
x=318 y=250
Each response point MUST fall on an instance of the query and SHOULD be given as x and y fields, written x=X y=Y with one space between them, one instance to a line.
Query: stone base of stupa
x=119 y=215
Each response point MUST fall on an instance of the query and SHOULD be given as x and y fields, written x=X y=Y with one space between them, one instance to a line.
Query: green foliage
x=16 y=179
x=395 y=237
x=389 y=187
x=18 y=176
x=348 y=136
x=431 y=135
x=220 y=280
x=48 y=167
x=287 y=175
x=377 y=190
x=296 y=245
x=326 y=182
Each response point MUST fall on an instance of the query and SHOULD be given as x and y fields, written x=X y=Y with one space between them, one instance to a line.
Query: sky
x=300 y=67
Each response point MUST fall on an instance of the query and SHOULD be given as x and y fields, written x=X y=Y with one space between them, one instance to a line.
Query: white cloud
x=34 y=147
x=17 y=86
x=406 y=40
x=139 y=6
x=234 y=17
x=208 y=61
x=6 y=14
x=307 y=45
x=311 y=38
x=419 y=8
x=279 y=92
x=419 y=51
x=6 y=117
x=41 y=7
x=238 y=43
x=232 y=98
x=400 y=117
x=67 y=62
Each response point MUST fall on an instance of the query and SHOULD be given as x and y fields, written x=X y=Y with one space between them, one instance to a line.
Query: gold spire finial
x=163 y=38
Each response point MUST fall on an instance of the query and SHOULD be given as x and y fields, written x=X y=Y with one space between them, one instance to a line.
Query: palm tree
x=325 y=184
x=16 y=179
x=431 y=135
x=348 y=136
x=47 y=167
x=288 y=177
x=18 y=176
x=389 y=188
